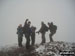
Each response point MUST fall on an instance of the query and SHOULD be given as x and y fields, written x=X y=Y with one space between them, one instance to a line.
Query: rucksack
x=55 y=27
x=46 y=28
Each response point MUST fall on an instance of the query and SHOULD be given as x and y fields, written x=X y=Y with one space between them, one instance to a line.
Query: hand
x=26 y=19
x=37 y=32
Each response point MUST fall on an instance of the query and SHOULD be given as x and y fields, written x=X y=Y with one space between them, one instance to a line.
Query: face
x=20 y=25
x=29 y=23
x=48 y=23
x=51 y=23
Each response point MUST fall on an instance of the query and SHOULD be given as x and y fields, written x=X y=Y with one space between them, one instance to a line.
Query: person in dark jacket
x=27 y=32
x=43 y=31
x=33 y=35
x=52 y=29
x=20 y=35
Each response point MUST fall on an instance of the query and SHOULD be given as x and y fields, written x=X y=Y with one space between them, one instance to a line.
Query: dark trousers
x=33 y=38
x=20 y=38
x=27 y=36
x=50 y=36
x=43 y=38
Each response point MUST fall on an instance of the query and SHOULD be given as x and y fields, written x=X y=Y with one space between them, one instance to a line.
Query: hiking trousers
x=43 y=38
x=50 y=36
x=27 y=36
x=33 y=38
x=20 y=39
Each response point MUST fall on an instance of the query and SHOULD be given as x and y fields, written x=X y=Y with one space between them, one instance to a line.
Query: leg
x=27 y=40
x=20 y=40
x=51 y=39
x=43 y=38
x=33 y=39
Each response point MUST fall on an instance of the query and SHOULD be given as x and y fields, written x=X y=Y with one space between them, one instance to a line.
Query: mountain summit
x=47 y=49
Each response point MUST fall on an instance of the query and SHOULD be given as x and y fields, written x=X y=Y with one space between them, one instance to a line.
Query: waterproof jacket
x=20 y=30
x=26 y=28
x=53 y=28
x=43 y=29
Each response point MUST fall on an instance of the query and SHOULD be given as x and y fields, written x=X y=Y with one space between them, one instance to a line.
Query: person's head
x=42 y=23
x=48 y=23
x=51 y=23
x=29 y=23
x=20 y=25
x=33 y=28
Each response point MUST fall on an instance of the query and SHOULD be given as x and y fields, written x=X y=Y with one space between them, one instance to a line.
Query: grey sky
x=14 y=12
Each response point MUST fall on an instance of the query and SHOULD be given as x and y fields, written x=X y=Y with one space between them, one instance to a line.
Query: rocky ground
x=47 y=49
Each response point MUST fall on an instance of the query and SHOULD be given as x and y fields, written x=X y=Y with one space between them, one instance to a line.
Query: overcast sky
x=14 y=12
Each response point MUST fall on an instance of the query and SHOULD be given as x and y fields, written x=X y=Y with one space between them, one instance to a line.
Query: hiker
x=27 y=32
x=33 y=35
x=52 y=29
x=43 y=31
x=20 y=35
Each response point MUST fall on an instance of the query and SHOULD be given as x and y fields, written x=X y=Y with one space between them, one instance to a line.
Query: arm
x=26 y=22
x=39 y=30
x=17 y=30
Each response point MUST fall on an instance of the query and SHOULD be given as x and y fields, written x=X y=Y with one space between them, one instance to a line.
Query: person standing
x=27 y=33
x=43 y=31
x=20 y=35
x=33 y=35
x=52 y=29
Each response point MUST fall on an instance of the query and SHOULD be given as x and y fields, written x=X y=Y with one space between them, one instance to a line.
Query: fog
x=15 y=12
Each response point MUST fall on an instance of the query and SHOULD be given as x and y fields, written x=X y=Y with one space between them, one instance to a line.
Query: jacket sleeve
x=40 y=29
x=17 y=31
x=25 y=23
